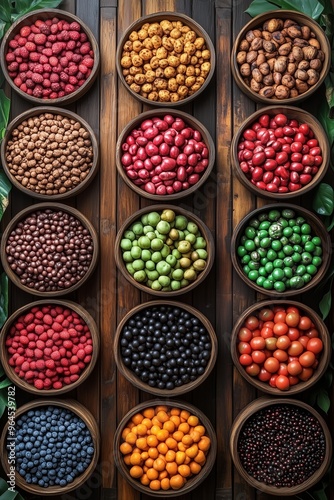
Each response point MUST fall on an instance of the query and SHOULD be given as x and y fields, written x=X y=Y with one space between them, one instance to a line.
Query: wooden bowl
x=25 y=213
x=205 y=232
x=158 y=17
x=193 y=481
x=318 y=229
x=324 y=357
x=44 y=14
x=189 y=120
x=79 y=410
x=256 y=23
x=292 y=113
x=4 y=355
x=249 y=411
x=135 y=380
x=66 y=114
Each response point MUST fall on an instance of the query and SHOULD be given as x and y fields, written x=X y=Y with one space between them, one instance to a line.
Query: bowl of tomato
x=280 y=347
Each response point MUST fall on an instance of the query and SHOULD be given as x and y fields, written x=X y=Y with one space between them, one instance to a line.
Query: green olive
x=177 y=274
x=163 y=227
x=181 y=222
x=192 y=227
x=174 y=234
x=191 y=238
x=190 y=274
x=184 y=246
x=168 y=215
x=126 y=244
x=199 y=264
x=194 y=255
x=200 y=243
x=185 y=262
x=157 y=244
x=140 y=276
x=153 y=218
x=137 y=228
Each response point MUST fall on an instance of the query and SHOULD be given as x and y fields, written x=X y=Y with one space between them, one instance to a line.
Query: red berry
x=74 y=26
x=40 y=39
x=38 y=383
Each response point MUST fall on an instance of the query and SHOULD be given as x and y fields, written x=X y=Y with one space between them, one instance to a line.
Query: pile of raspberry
x=50 y=59
x=49 y=347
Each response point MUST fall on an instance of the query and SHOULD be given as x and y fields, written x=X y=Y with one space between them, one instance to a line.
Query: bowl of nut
x=281 y=347
x=165 y=59
x=50 y=153
x=165 y=448
x=281 y=249
x=280 y=152
x=164 y=250
x=49 y=55
x=165 y=153
x=281 y=55
x=49 y=347
x=280 y=446
x=49 y=249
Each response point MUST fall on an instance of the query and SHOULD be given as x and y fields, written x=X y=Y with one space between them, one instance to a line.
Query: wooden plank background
x=221 y=203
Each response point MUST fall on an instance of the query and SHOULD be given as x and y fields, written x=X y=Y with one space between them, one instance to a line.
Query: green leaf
x=4 y=112
x=3 y=299
x=3 y=485
x=323 y=401
x=2 y=28
x=25 y=6
x=317 y=495
x=2 y=77
x=325 y=303
x=323 y=201
x=5 y=187
x=6 y=10
x=5 y=383
x=10 y=495
x=3 y=403
x=309 y=7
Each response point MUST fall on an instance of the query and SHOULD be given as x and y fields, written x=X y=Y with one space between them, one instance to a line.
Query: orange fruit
x=125 y=432
x=181 y=446
x=184 y=470
x=162 y=416
x=136 y=471
x=125 y=448
x=169 y=426
x=147 y=422
x=159 y=464
x=149 y=412
x=193 y=420
x=165 y=483
x=185 y=414
x=180 y=457
x=149 y=462
x=162 y=448
x=127 y=458
x=152 y=440
x=131 y=438
x=145 y=480
x=200 y=457
x=175 y=411
x=184 y=427
x=156 y=421
x=141 y=430
x=171 y=443
x=162 y=435
x=170 y=456
x=155 y=485
x=176 y=482
x=153 y=452
x=161 y=408
x=195 y=467
x=187 y=440
x=141 y=443
x=204 y=443
x=192 y=451
x=152 y=474
x=175 y=419
x=200 y=429
x=137 y=418
x=178 y=435
x=195 y=435
x=171 y=468
x=136 y=459
x=144 y=455
x=155 y=429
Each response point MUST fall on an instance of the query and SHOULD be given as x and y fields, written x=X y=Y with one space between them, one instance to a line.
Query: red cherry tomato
x=305 y=323
x=267 y=332
x=282 y=382
x=293 y=379
x=315 y=345
x=292 y=319
x=293 y=334
x=295 y=348
x=307 y=359
x=266 y=314
x=312 y=333
x=264 y=375
x=244 y=335
x=244 y=348
x=280 y=317
x=252 y=322
x=304 y=340
x=294 y=368
x=257 y=343
x=271 y=364
x=271 y=343
x=245 y=359
x=258 y=357
x=272 y=381
x=253 y=370
x=306 y=374
x=283 y=342
x=280 y=355
x=280 y=328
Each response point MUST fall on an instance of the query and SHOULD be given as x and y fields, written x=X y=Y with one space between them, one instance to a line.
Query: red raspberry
x=57 y=47
x=47 y=52
x=54 y=78
x=18 y=81
x=38 y=383
x=10 y=57
x=29 y=84
x=66 y=26
x=61 y=93
x=23 y=87
x=57 y=385
x=23 y=67
x=74 y=35
x=13 y=44
x=40 y=39
x=63 y=36
x=38 y=68
x=31 y=37
x=34 y=56
x=77 y=58
x=30 y=46
x=40 y=364
x=14 y=66
x=83 y=37
x=44 y=29
x=69 y=88
x=71 y=45
x=47 y=68
x=73 y=80
x=63 y=62
x=34 y=29
x=63 y=77
x=22 y=41
x=43 y=59
x=88 y=61
x=52 y=38
x=53 y=61
x=54 y=29
x=24 y=52
x=83 y=69
x=29 y=374
x=25 y=31
x=39 y=22
x=74 y=26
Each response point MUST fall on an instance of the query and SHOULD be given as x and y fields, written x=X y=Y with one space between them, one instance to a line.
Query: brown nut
x=304 y=65
x=294 y=93
x=300 y=42
x=269 y=46
x=256 y=44
x=278 y=38
x=268 y=91
x=261 y=58
x=251 y=56
x=255 y=86
x=306 y=32
x=268 y=80
x=288 y=81
x=301 y=86
x=245 y=69
x=295 y=31
x=282 y=92
x=316 y=64
x=297 y=53
x=264 y=69
x=257 y=75
x=321 y=55
x=266 y=35
x=285 y=49
x=153 y=96
x=241 y=57
x=288 y=23
x=244 y=45
x=291 y=68
x=272 y=25
x=310 y=52
x=313 y=76
x=301 y=75
x=277 y=76
x=315 y=43
x=252 y=34
x=280 y=64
